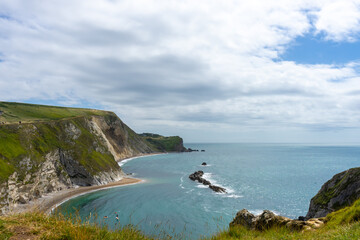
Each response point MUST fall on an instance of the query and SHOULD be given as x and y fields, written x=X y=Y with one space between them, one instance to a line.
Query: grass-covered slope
x=11 y=112
x=34 y=141
x=40 y=226
x=164 y=144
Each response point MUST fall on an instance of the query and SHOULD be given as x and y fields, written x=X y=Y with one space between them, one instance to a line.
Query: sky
x=209 y=71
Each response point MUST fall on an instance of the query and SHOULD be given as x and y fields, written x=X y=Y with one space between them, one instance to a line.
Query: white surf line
x=91 y=191
x=125 y=160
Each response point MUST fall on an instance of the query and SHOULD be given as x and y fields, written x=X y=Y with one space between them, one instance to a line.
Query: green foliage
x=4 y=233
x=15 y=112
x=345 y=215
x=10 y=146
x=41 y=226
x=38 y=139
x=163 y=144
x=6 y=170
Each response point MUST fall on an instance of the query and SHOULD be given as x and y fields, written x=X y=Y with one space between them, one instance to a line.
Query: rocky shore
x=342 y=190
x=268 y=219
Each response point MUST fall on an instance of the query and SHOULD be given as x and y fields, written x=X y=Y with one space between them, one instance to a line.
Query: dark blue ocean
x=278 y=177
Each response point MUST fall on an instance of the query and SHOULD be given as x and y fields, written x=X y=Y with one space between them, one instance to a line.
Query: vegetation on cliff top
x=164 y=144
x=11 y=112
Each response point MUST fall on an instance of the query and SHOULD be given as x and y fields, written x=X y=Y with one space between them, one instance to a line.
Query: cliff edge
x=45 y=149
x=340 y=191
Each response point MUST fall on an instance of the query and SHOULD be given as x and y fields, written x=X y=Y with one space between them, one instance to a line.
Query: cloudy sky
x=209 y=71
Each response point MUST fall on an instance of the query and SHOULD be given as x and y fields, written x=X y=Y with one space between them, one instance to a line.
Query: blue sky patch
x=311 y=49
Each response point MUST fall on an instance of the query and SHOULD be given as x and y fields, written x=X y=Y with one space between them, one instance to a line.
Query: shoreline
x=51 y=201
x=121 y=162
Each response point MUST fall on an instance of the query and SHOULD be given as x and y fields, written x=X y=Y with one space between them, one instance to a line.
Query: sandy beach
x=52 y=200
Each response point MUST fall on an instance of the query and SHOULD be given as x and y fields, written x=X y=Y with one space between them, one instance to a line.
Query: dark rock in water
x=197 y=176
x=129 y=174
x=204 y=164
x=217 y=189
x=203 y=150
x=191 y=150
x=268 y=219
x=340 y=191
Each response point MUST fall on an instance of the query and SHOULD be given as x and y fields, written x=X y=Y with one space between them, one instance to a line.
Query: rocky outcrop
x=50 y=156
x=340 y=191
x=197 y=176
x=268 y=219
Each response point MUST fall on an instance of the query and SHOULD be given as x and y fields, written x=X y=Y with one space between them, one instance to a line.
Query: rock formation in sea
x=340 y=191
x=197 y=176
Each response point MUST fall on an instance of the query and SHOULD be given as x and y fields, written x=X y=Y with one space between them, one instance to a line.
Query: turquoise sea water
x=279 y=177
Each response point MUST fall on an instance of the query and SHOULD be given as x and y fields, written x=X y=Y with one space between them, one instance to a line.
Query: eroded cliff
x=42 y=157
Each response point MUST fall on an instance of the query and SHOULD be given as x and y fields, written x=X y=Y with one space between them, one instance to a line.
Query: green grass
x=36 y=140
x=40 y=226
x=15 y=112
x=347 y=215
x=163 y=144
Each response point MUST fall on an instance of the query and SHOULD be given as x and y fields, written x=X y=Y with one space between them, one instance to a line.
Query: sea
x=278 y=177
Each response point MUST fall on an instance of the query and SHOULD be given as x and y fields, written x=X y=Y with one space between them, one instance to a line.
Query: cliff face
x=42 y=157
x=340 y=191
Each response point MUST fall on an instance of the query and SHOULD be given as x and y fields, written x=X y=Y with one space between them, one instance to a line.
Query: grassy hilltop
x=14 y=112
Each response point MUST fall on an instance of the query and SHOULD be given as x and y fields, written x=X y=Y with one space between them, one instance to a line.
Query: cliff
x=340 y=191
x=164 y=144
x=45 y=149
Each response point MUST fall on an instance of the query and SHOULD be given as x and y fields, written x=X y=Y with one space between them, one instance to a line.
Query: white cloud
x=181 y=65
x=339 y=20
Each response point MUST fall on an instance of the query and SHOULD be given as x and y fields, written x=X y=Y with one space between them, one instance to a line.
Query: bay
x=278 y=177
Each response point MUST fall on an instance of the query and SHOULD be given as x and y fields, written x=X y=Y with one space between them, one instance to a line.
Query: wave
x=181 y=184
x=258 y=212
x=233 y=196
x=122 y=162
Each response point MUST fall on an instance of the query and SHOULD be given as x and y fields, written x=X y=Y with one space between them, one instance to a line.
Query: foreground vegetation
x=343 y=224
x=40 y=226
